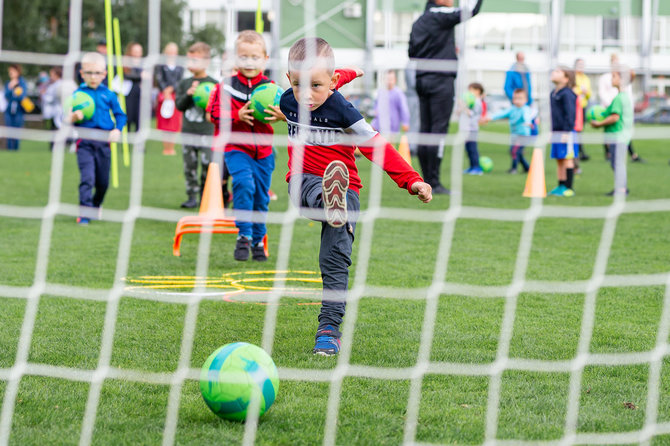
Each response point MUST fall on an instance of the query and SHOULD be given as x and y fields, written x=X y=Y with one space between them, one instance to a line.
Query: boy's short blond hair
x=626 y=74
x=317 y=49
x=93 y=58
x=201 y=48
x=251 y=36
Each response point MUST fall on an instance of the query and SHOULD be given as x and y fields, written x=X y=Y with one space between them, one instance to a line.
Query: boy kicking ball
x=328 y=178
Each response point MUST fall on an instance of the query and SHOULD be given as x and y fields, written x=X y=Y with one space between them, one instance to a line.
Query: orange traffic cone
x=211 y=204
x=535 y=185
x=403 y=149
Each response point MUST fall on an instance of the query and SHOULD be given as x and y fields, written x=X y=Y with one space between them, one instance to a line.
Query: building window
x=247 y=20
x=610 y=29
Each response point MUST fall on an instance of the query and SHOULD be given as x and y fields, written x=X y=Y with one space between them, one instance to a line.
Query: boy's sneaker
x=258 y=252
x=568 y=192
x=475 y=171
x=84 y=221
x=335 y=183
x=558 y=191
x=326 y=344
x=190 y=204
x=512 y=171
x=242 y=248
x=620 y=192
x=272 y=195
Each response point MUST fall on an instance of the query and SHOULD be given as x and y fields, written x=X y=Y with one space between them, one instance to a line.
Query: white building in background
x=230 y=16
x=487 y=43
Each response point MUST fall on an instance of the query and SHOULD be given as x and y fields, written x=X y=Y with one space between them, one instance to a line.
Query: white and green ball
x=233 y=375
x=486 y=163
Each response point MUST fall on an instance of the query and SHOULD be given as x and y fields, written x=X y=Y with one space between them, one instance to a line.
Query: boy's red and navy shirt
x=236 y=90
x=333 y=132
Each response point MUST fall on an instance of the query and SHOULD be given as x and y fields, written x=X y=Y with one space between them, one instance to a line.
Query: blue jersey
x=105 y=100
x=520 y=119
x=563 y=110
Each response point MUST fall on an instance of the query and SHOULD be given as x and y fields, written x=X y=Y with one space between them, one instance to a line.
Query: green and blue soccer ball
x=469 y=99
x=233 y=375
x=262 y=97
x=202 y=93
x=596 y=113
x=80 y=101
x=486 y=163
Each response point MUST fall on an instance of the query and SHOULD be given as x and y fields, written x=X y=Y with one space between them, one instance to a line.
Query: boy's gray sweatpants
x=334 y=253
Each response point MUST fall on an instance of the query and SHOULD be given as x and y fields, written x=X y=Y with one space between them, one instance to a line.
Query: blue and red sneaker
x=326 y=343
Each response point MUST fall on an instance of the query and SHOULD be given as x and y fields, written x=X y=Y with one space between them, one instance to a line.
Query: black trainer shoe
x=441 y=190
x=190 y=203
x=258 y=252
x=242 y=248
x=611 y=193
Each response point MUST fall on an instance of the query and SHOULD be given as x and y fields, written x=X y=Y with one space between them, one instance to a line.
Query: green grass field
x=453 y=408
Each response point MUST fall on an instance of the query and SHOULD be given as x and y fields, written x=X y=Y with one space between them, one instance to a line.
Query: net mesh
x=360 y=288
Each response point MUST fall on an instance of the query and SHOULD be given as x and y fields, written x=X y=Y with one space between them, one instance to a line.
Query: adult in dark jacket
x=132 y=76
x=432 y=38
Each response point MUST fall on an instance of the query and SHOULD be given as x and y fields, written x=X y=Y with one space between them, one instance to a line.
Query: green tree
x=43 y=25
x=209 y=34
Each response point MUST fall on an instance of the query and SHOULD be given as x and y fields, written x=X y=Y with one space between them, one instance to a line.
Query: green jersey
x=622 y=130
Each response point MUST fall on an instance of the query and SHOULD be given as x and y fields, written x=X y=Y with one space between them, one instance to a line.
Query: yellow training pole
x=122 y=98
x=259 y=19
x=110 y=75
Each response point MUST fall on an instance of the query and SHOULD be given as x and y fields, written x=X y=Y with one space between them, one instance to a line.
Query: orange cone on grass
x=403 y=149
x=535 y=184
x=211 y=204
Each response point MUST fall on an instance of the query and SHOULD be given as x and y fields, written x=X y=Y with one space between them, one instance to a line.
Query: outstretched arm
x=347 y=74
x=453 y=16
x=393 y=164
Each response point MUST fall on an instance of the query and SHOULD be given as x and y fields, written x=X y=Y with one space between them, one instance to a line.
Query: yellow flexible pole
x=110 y=75
x=259 y=19
x=122 y=98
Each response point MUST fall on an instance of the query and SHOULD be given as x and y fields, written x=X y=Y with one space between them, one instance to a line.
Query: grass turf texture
x=148 y=334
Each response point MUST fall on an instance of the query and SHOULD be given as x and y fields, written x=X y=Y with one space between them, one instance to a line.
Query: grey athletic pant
x=334 y=253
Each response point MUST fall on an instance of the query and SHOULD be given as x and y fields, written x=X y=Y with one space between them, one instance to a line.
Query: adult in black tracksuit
x=432 y=37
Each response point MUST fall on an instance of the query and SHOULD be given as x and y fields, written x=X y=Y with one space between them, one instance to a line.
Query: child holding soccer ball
x=15 y=91
x=563 y=111
x=471 y=114
x=93 y=156
x=194 y=123
x=618 y=125
x=249 y=162
x=520 y=117
x=326 y=183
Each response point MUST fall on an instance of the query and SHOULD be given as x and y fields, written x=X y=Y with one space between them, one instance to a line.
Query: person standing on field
x=432 y=38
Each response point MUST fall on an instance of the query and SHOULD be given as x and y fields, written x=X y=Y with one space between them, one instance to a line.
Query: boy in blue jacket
x=93 y=156
x=520 y=118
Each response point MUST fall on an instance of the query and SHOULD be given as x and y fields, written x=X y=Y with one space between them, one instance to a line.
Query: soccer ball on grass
x=233 y=375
